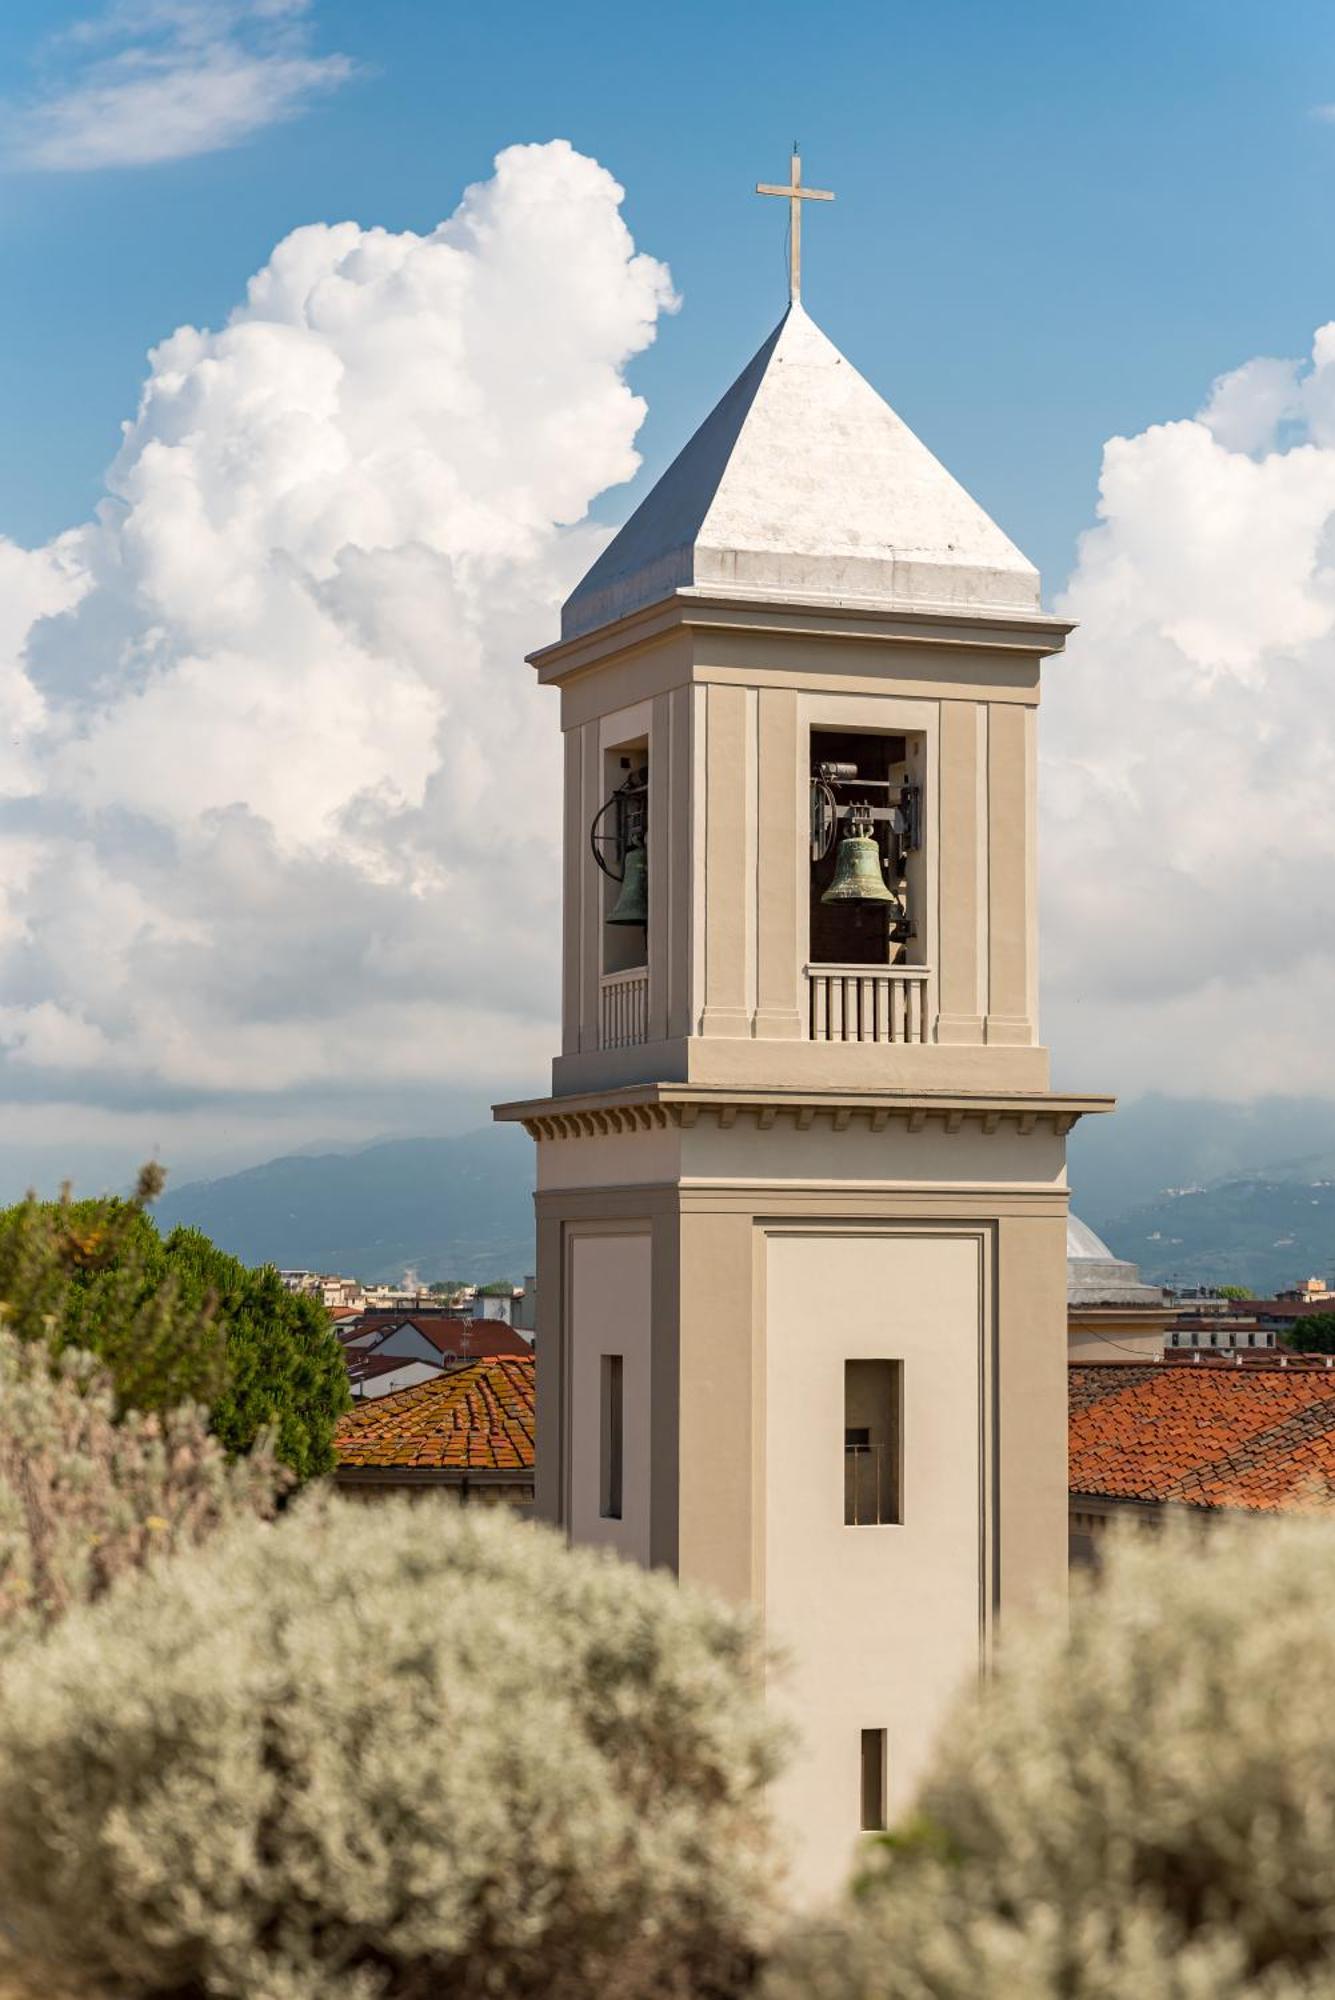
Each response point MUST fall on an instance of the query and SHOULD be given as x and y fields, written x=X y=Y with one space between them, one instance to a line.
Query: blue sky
x=1053 y=223
x=250 y=893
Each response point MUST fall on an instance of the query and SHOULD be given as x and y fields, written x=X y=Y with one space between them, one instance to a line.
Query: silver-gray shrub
x=1139 y=1808
x=87 y=1496
x=409 y=1750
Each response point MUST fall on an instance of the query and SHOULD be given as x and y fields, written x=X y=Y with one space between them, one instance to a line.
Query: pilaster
x=1009 y=912
x=590 y=930
x=722 y=882
x=962 y=884
x=780 y=853
x=572 y=904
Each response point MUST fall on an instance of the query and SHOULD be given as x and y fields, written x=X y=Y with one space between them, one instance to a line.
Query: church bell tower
x=801 y=1177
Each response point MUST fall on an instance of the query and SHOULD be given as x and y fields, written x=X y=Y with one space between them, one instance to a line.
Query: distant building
x=525 y=1314
x=495 y=1302
x=1111 y=1314
x=1286 y=1315
x=380 y=1347
x=1309 y=1291
x=1206 y=1324
x=400 y=1298
x=451 y=1342
x=469 y=1434
x=371 y=1375
x=330 y=1290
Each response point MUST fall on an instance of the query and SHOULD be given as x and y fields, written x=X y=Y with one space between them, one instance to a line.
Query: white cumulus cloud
x=153 y=80
x=278 y=797
x=1189 y=822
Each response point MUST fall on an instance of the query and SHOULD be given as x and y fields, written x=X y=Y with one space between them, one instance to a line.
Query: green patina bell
x=857 y=871
x=632 y=905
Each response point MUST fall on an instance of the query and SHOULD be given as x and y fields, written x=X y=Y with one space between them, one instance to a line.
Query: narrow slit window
x=873 y=1443
x=873 y=1781
x=613 y=1431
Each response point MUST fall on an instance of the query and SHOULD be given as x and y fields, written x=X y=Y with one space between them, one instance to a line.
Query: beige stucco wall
x=772 y=1148
x=726 y=711
x=609 y=1278
x=882 y=1624
x=1116 y=1333
x=765 y=1269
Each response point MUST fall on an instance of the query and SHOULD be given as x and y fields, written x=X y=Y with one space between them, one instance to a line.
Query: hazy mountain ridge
x=1190 y=1189
x=1201 y=1192
x=1263 y=1233
x=1157 y=1144
x=452 y=1207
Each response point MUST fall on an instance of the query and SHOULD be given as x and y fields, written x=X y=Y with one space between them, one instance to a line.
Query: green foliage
x=1234 y=1292
x=1314 y=1334
x=91 y=1275
x=403 y=1751
x=175 y=1320
x=285 y=1368
x=87 y=1496
x=1139 y=1808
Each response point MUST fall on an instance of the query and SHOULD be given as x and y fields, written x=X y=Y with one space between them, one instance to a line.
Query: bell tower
x=801 y=1177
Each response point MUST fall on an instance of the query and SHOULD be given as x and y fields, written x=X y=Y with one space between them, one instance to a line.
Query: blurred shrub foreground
x=315 y=1751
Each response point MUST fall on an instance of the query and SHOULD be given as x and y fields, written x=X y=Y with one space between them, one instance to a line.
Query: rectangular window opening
x=873 y=1781
x=873 y=1443
x=858 y=781
x=612 y=1428
x=621 y=831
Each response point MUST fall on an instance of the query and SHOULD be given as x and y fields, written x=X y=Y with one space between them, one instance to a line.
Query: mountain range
x=459 y=1207
x=1261 y=1233
x=1192 y=1190
x=1200 y=1192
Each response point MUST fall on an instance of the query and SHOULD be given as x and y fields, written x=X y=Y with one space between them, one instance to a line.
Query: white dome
x=1082 y=1242
x=1094 y=1276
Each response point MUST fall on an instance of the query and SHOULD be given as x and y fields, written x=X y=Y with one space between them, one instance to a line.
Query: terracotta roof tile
x=477 y=1419
x=1203 y=1437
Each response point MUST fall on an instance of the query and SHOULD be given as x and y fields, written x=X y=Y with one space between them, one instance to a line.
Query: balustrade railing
x=867 y=1003
x=624 y=1017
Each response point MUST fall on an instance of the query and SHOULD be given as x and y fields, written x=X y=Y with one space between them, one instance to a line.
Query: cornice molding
x=988 y=628
x=682 y=1107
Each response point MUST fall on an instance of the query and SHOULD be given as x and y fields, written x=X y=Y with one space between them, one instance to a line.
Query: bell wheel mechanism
x=874 y=839
x=618 y=838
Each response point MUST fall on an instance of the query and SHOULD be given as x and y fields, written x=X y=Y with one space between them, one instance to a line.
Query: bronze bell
x=632 y=905
x=857 y=869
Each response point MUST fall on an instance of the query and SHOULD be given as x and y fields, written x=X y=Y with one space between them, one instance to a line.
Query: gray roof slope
x=803 y=484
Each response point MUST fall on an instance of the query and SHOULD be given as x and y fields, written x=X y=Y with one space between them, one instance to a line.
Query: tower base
x=809 y=1350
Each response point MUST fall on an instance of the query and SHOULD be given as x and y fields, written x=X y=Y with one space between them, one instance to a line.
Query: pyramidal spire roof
x=802 y=485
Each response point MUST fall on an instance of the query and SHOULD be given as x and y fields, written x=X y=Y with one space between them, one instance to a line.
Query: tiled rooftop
x=478 y=1419
x=1203 y=1437
x=363 y=1367
x=468 y=1338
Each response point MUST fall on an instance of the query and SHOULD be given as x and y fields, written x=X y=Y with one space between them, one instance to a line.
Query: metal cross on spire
x=795 y=194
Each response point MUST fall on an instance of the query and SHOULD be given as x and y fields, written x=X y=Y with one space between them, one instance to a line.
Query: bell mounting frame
x=900 y=816
x=620 y=824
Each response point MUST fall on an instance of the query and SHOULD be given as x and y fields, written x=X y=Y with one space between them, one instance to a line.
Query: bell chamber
x=619 y=839
x=864 y=827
